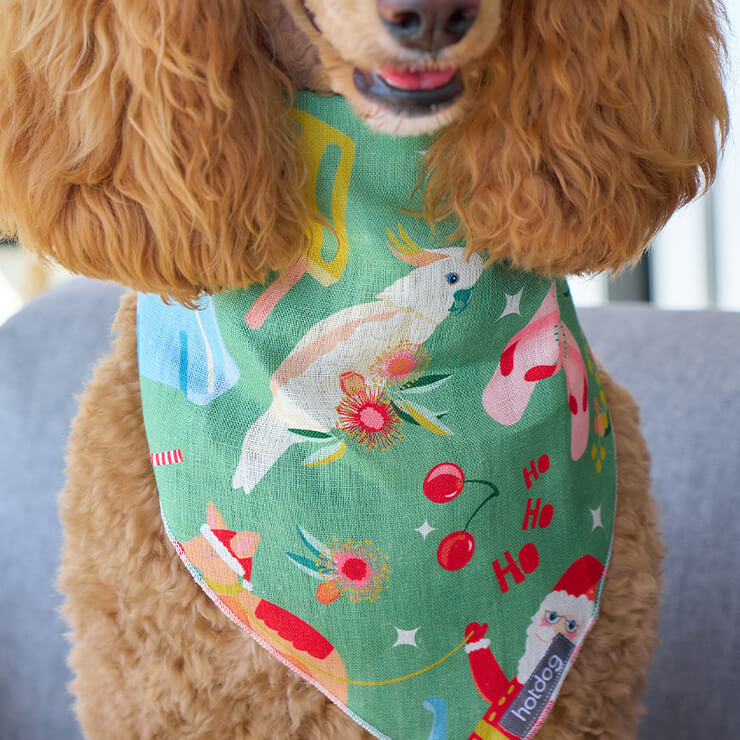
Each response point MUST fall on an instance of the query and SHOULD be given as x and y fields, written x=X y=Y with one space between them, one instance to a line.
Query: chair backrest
x=683 y=368
x=47 y=352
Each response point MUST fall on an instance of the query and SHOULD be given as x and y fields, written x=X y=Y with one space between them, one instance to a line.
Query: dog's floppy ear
x=601 y=118
x=148 y=142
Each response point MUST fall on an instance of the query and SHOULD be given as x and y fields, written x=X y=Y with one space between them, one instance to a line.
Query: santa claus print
x=519 y=705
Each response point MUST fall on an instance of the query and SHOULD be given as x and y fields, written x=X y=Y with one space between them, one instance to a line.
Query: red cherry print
x=456 y=550
x=444 y=482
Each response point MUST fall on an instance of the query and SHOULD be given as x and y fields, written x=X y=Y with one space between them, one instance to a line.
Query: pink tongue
x=424 y=80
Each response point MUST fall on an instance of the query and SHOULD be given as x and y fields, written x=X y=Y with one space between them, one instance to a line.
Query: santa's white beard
x=534 y=650
x=580 y=608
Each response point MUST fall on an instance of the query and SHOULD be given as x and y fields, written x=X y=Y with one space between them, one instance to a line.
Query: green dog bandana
x=393 y=467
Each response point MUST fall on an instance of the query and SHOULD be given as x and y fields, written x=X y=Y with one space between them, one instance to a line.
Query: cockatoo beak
x=462 y=297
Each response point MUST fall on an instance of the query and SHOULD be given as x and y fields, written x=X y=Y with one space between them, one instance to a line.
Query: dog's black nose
x=428 y=25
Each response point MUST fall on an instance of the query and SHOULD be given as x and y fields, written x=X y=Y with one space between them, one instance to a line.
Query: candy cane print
x=169 y=457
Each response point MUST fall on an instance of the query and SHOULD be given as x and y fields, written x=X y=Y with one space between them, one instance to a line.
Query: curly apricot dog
x=158 y=144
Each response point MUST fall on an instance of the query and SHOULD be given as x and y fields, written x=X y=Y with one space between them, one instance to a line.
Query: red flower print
x=357 y=570
x=401 y=364
x=369 y=419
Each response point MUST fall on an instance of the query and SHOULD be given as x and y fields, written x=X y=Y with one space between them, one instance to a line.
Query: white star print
x=512 y=303
x=596 y=514
x=406 y=637
x=425 y=529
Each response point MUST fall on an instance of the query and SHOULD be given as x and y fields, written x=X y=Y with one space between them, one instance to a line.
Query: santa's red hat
x=582 y=578
x=220 y=541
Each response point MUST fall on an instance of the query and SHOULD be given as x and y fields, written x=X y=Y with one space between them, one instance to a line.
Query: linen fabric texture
x=392 y=465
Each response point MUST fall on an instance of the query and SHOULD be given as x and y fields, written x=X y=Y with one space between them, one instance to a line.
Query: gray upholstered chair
x=683 y=369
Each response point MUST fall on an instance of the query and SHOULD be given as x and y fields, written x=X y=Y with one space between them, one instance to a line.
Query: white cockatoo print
x=306 y=388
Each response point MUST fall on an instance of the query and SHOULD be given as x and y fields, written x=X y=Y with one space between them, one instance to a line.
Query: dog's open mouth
x=415 y=93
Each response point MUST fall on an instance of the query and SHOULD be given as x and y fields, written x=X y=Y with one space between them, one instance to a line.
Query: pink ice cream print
x=538 y=352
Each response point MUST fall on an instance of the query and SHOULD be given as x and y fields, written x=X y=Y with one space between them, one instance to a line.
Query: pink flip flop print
x=537 y=352
x=577 y=382
x=530 y=355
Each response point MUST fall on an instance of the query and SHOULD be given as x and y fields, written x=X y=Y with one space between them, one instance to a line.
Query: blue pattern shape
x=183 y=361
x=183 y=348
x=438 y=708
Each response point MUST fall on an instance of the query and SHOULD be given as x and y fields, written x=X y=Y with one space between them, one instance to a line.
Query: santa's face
x=552 y=623
x=559 y=614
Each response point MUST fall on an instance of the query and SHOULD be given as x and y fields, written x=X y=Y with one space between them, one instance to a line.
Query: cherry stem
x=485 y=483
x=482 y=504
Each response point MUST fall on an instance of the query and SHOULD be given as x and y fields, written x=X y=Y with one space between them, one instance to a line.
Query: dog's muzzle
x=416 y=100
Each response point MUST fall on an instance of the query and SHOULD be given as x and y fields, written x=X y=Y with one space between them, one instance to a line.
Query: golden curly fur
x=149 y=142
x=155 y=658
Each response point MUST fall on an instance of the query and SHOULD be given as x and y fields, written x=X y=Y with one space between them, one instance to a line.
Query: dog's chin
x=403 y=103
